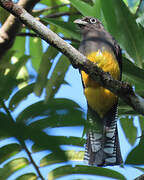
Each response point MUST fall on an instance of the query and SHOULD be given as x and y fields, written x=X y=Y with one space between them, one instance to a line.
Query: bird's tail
x=102 y=145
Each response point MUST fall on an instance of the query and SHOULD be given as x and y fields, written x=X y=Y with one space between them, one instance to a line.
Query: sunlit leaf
x=9 y=80
x=67 y=170
x=12 y=166
x=8 y=151
x=19 y=46
x=36 y=53
x=28 y=176
x=22 y=71
x=71 y=154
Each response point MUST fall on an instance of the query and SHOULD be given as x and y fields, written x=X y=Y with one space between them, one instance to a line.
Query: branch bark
x=121 y=89
x=140 y=177
x=12 y=26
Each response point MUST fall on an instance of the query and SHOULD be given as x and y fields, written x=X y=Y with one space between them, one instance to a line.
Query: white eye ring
x=93 y=20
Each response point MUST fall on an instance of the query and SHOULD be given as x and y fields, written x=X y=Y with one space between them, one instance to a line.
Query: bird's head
x=88 y=23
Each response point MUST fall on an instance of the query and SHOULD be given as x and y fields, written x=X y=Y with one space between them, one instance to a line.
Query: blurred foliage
x=32 y=68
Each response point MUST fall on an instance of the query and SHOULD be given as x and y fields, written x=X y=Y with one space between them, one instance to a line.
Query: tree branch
x=35 y=11
x=59 y=14
x=12 y=26
x=121 y=89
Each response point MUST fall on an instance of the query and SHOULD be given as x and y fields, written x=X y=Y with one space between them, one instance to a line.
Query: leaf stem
x=22 y=142
x=32 y=160
x=138 y=7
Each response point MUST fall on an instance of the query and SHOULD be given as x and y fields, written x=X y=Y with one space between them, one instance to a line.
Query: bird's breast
x=99 y=98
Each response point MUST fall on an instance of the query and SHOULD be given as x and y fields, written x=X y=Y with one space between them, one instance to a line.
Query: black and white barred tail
x=102 y=145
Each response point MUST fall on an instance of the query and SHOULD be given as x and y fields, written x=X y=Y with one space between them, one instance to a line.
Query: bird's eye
x=93 y=20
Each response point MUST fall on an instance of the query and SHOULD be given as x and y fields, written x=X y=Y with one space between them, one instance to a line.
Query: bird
x=102 y=146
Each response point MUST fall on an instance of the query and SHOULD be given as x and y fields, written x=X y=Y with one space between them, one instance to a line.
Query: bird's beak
x=80 y=22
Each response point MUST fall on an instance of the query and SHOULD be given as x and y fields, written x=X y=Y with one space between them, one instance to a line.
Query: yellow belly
x=99 y=98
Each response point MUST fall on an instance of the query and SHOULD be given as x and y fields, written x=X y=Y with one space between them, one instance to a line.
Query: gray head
x=89 y=23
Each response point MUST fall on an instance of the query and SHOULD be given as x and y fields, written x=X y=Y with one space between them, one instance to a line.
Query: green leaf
x=4 y=15
x=32 y=111
x=82 y=7
x=44 y=69
x=6 y=60
x=9 y=80
x=67 y=170
x=75 y=141
x=140 y=19
x=129 y=129
x=69 y=27
x=19 y=64
x=13 y=166
x=35 y=47
x=136 y=155
x=133 y=73
x=140 y=168
x=50 y=3
x=8 y=151
x=28 y=176
x=4 y=118
x=88 y=10
x=130 y=36
x=124 y=109
x=71 y=155
x=23 y=132
x=42 y=109
x=20 y=70
x=57 y=77
x=20 y=95
x=19 y=46
x=67 y=118
x=141 y=121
